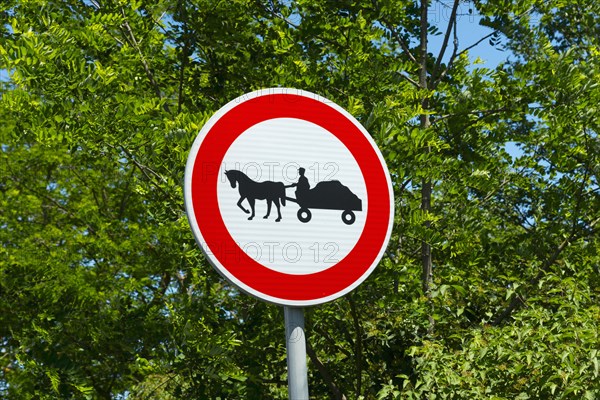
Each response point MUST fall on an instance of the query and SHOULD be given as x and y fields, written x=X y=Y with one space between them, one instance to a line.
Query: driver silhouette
x=302 y=186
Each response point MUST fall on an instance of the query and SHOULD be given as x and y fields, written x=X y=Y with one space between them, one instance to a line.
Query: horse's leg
x=239 y=203
x=251 y=201
x=278 y=210
x=268 y=209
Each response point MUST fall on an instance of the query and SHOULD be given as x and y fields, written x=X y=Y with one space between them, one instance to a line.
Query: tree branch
x=277 y=14
x=332 y=341
x=126 y=195
x=53 y=202
x=358 y=351
x=481 y=113
x=410 y=80
x=517 y=300
x=395 y=34
x=132 y=40
x=451 y=26
x=455 y=55
x=146 y=171
x=141 y=167
x=335 y=390
x=426 y=184
x=477 y=43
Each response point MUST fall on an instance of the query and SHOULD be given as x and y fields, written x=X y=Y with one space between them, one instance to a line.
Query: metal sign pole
x=295 y=342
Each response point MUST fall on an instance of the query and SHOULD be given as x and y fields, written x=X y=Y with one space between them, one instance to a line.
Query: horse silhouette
x=272 y=192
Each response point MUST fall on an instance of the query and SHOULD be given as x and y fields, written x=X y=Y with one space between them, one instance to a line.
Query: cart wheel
x=348 y=217
x=304 y=215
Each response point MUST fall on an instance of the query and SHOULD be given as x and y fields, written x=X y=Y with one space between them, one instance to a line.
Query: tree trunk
x=426 y=186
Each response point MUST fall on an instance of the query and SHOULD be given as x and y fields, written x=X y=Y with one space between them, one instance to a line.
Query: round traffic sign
x=289 y=197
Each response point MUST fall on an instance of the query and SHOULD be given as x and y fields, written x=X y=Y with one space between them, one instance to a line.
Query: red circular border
x=222 y=246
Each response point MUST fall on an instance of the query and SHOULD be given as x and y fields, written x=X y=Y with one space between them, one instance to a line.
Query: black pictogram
x=272 y=192
x=326 y=195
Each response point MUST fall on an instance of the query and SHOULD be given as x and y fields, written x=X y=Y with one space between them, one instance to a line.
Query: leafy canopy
x=104 y=293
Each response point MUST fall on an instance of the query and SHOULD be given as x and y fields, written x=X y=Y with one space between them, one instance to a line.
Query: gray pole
x=295 y=342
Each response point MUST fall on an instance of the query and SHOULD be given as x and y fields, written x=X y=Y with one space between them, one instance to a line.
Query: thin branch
x=184 y=61
x=145 y=64
x=142 y=167
x=96 y=4
x=332 y=341
x=481 y=113
x=97 y=7
x=437 y=80
x=55 y=203
x=449 y=29
x=458 y=54
x=455 y=41
x=276 y=14
x=492 y=193
x=395 y=34
x=147 y=171
x=477 y=43
x=335 y=390
x=126 y=195
x=400 y=41
x=517 y=300
x=164 y=382
x=410 y=80
x=358 y=350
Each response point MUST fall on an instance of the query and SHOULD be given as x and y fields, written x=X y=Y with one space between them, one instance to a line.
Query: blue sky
x=469 y=32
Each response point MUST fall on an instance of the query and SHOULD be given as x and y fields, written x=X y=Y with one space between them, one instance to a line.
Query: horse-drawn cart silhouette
x=328 y=195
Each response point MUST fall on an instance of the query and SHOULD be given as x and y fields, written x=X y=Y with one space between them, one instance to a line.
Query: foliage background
x=489 y=288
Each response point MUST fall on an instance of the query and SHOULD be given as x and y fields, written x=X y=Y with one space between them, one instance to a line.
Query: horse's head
x=231 y=176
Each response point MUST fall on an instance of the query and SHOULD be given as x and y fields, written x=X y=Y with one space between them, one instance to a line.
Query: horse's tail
x=282 y=193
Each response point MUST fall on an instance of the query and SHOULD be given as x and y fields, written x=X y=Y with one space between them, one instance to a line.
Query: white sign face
x=291 y=246
x=289 y=197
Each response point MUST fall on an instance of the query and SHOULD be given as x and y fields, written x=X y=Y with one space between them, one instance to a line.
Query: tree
x=96 y=237
x=490 y=284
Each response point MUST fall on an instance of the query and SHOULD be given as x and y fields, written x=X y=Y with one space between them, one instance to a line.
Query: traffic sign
x=289 y=197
